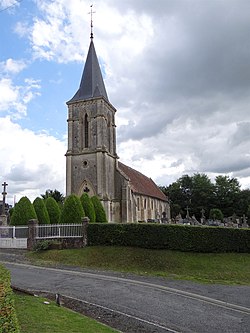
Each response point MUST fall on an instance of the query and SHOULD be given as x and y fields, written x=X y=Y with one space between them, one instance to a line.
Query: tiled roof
x=141 y=184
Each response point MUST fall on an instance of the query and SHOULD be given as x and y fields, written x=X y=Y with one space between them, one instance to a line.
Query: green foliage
x=198 y=192
x=41 y=211
x=99 y=210
x=41 y=246
x=171 y=237
x=8 y=319
x=44 y=245
x=58 y=196
x=53 y=210
x=72 y=211
x=226 y=194
x=215 y=214
x=88 y=207
x=23 y=212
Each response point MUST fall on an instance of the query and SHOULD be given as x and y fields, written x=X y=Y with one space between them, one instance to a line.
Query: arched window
x=86 y=131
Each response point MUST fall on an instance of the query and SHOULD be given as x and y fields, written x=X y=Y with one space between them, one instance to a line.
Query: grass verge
x=223 y=268
x=35 y=317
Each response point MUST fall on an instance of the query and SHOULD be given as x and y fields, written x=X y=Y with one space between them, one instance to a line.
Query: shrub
x=99 y=210
x=88 y=207
x=216 y=214
x=41 y=246
x=23 y=212
x=171 y=237
x=53 y=210
x=8 y=318
x=72 y=211
x=41 y=211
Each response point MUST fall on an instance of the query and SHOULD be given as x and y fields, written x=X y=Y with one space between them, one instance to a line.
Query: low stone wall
x=57 y=242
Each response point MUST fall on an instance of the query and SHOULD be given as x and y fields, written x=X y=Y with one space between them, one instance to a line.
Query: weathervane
x=91 y=22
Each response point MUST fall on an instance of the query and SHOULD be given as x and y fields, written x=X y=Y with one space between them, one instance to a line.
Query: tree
x=23 y=212
x=53 y=210
x=226 y=194
x=58 y=196
x=72 y=211
x=41 y=211
x=202 y=194
x=99 y=210
x=88 y=207
x=216 y=214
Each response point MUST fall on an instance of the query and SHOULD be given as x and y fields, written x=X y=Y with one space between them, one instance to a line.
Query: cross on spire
x=91 y=22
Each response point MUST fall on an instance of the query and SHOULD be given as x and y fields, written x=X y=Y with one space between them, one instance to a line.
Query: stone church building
x=92 y=163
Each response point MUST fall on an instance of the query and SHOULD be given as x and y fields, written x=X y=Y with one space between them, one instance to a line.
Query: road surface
x=141 y=304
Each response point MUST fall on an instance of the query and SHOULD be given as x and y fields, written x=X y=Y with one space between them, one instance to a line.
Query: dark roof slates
x=92 y=84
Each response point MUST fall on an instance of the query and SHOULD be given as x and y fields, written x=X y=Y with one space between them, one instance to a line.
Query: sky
x=177 y=71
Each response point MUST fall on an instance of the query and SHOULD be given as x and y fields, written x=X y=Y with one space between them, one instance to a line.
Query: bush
x=53 y=210
x=88 y=207
x=8 y=318
x=41 y=211
x=72 y=211
x=216 y=214
x=171 y=237
x=23 y=212
x=99 y=210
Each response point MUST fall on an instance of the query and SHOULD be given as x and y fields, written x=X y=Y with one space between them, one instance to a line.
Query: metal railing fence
x=47 y=231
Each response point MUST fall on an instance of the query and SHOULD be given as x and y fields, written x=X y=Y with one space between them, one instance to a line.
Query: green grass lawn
x=224 y=268
x=35 y=317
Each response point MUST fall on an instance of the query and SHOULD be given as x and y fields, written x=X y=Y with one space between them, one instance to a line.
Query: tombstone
x=179 y=219
x=244 y=224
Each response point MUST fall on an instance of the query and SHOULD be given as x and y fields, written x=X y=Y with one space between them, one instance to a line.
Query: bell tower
x=91 y=155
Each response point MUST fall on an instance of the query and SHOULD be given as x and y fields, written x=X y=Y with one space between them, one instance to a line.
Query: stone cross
x=187 y=216
x=4 y=193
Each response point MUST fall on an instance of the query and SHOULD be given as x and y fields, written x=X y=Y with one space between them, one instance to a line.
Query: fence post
x=85 y=222
x=32 y=233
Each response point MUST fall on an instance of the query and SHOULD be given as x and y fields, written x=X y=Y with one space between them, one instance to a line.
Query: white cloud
x=14 y=99
x=30 y=162
x=12 y=66
x=177 y=72
x=5 y=4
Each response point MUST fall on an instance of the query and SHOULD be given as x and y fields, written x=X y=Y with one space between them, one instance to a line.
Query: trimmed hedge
x=171 y=237
x=23 y=212
x=88 y=207
x=100 y=215
x=8 y=318
x=53 y=210
x=41 y=211
x=72 y=211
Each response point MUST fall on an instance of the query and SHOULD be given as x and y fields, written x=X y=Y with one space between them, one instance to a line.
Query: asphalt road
x=140 y=304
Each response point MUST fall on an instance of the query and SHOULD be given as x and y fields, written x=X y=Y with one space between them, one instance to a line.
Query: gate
x=13 y=237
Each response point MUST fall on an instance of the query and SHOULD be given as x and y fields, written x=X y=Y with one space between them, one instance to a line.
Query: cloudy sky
x=177 y=71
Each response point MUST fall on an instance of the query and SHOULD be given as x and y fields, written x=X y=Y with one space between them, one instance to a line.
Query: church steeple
x=92 y=84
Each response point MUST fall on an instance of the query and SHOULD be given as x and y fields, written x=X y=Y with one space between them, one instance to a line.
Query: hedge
x=23 y=212
x=8 y=318
x=171 y=237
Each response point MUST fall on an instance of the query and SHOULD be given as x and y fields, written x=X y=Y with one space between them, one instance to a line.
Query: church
x=92 y=163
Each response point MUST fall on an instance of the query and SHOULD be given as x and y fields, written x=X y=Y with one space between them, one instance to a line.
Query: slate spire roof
x=92 y=84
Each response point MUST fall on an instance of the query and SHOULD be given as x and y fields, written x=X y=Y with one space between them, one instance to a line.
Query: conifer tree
x=23 y=212
x=72 y=211
x=53 y=210
x=41 y=211
x=88 y=207
x=99 y=210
